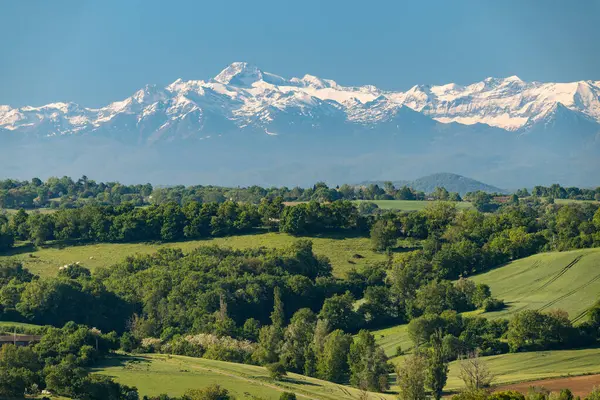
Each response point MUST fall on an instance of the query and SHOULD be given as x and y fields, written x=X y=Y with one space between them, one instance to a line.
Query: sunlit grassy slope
x=343 y=252
x=155 y=374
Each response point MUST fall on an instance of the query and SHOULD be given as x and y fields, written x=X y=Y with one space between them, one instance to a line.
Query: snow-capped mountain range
x=246 y=96
x=247 y=126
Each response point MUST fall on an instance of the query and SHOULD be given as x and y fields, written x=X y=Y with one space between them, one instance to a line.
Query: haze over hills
x=452 y=183
x=246 y=126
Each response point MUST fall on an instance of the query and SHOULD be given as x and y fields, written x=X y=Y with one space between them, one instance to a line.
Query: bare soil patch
x=579 y=385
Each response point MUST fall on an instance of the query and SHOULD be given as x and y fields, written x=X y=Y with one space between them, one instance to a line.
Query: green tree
x=213 y=392
x=384 y=234
x=411 y=377
x=332 y=362
x=298 y=338
x=368 y=363
x=338 y=311
x=437 y=366
x=276 y=370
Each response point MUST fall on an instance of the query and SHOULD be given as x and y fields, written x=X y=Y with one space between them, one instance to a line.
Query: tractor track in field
x=559 y=274
x=570 y=293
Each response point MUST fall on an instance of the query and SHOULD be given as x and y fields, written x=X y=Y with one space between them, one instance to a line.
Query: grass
x=520 y=367
x=540 y=282
x=11 y=211
x=390 y=338
x=9 y=324
x=567 y=280
x=339 y=249
x=410 y=205
x=154 y=374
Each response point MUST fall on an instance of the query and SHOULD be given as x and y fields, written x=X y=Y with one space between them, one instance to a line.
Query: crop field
x=155 y=374
x=410 y=205
x=520 y=367
x=567 y=280
x=390 y=338
x=344 y=252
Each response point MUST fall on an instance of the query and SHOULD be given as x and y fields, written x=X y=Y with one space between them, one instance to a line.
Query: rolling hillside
x=154 y=374
x=341 y=251
x=568 y=280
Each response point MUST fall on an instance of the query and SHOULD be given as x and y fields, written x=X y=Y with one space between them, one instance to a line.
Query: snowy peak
x=244 y=96
x=239 y=74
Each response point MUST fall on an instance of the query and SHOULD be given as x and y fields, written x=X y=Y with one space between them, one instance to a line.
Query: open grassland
x=344 y=252
x=520 y=367
x=390 y=338
x=155 y=374
x=11 y=211
x=410 y=205
x=7 y=324
x=570 y=201
x=568 y=280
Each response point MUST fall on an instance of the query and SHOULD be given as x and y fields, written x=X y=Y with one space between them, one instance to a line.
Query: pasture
x=410 y=205
x=567 y=280
x=154 y=374
x=344 y=252
x=521 y=367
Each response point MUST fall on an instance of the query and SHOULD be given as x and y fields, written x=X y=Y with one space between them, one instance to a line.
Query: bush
x=287 y=396
x=492 y=304
x=399 y=351
x=213 y=392
x=276 y=370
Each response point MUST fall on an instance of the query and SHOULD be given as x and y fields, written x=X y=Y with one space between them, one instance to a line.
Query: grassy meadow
x=567 y=280
x=154 y=374
x=519 y=367
x=410 y=205
x=344 y=252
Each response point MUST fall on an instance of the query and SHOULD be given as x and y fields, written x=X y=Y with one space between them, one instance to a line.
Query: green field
x=38 y=210
x=340 y=250
x=410 y=205
x=390 y=338
x=155 y=374
x=568 y=280
x=520 y=367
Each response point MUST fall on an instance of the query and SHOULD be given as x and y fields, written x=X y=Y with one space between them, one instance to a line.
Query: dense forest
x=281 y=308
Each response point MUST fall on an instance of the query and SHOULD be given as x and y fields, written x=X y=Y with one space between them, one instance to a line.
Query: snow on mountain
x=243 y=96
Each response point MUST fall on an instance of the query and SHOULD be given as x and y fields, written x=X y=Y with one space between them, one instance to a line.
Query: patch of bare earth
x=579 y=385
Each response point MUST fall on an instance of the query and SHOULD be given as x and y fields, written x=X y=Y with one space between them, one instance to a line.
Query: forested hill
x=452 y=183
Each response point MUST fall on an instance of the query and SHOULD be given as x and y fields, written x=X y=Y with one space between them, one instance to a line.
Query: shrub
x=492 y=304
x=287 y=396
x=276 y=370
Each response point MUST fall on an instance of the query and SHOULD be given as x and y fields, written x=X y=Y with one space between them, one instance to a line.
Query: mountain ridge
x=451 y=182
x=247 y=95
x=246 y=126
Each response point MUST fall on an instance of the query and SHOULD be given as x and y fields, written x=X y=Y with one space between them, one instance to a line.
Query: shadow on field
x=294 y=381
x=125 y=361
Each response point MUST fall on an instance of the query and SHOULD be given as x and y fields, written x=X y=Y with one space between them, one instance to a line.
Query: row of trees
x=172 y=222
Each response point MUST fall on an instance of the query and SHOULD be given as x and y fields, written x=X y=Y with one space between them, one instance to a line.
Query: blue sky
x=94 y=52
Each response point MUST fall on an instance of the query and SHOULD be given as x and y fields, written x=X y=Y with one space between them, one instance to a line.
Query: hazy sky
x=94 y=52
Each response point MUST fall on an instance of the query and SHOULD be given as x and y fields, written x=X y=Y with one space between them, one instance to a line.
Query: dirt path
x=579 y=385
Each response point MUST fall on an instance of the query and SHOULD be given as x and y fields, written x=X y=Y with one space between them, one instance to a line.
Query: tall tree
x=368 y=363
x=437 y=366
x=411 y=377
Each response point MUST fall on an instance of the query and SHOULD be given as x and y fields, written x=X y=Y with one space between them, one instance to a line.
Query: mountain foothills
x=247 y=126
x=272 y=321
